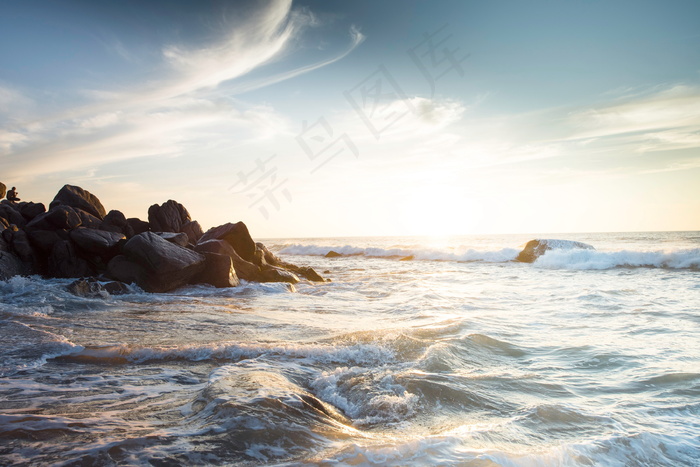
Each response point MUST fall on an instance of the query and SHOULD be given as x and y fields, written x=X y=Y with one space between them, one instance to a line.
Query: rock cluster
x=77 y=237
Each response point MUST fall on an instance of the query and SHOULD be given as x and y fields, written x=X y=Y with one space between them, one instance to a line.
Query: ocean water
x=459 y=356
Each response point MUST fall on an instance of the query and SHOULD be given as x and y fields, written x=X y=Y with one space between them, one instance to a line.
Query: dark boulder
x=3 y=190
x=10 y=265
x=137 y=226
x=333 y=254
x=268 y=256
x=97 y=242
x=3 y=224
x=156 y=264
x=114 y=221
x=274 y=274
x=44 y=240
x=218 y=271
x=168 y=217
x=236 y=235
x=244 y=269
x=64 y=261
x=22 y=247
x=180 y=239
x=309 y=273
x=76 y=197
x=88 y=220
x=31 y=210
x=536 y=248
x=88 y=288
x=58 y=217
x=12 y=215
x=193 y=231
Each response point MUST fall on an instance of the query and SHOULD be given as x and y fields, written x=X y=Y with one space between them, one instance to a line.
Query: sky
x=360 y=118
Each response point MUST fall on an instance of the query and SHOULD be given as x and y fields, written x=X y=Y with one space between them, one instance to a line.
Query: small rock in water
x=536 y=248
x=407 y=258
x=88 y=288
x=333 y=254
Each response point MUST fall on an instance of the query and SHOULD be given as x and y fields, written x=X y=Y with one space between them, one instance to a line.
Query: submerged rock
x=536 y=248
x=91 y=288
x=10 y=265
x=333 y=254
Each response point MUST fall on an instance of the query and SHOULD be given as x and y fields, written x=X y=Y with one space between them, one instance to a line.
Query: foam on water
x=591 y=259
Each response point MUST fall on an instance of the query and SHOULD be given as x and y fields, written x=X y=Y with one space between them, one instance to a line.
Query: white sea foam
x=461 y=254
x=592 y=259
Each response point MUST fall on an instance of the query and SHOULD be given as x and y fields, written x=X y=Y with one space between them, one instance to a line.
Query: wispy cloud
x=162 y=116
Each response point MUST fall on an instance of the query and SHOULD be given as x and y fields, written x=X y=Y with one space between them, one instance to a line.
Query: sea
x=435 y=351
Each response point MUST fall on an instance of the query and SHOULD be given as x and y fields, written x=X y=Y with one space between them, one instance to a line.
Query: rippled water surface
x=456 y=357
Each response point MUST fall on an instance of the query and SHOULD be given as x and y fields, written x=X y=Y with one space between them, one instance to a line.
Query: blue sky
x=327 y=118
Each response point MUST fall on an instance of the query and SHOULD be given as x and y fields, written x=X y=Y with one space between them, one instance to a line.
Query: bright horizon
x=448 y=118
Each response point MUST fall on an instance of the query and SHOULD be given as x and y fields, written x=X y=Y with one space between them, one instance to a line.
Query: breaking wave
x=461 y=255
x=592 y=259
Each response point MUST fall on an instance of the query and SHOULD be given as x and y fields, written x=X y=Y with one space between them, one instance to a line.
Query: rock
x=3 y=190
x=12 y=215
x=536 y=248
x=218 y=272
x=310 y=274
x=31 y=210
x=193 y=231
x=22 y=247
x=10 y=265
x=115 y=218
x=180 y=239
x=63 y=261
x=124 y=270
x=88 y=288
x=3 y=224
x=88 y=220
x=44 y=240
x=407 y=258
x=76 y=197
x=137 y=226
x=168 y=217
x=244 y=269
x=275 y=274
x=58 y=217
x=116 y=288
x=236 y=235
x=97 y=242
x=268 y=256
x=327 y=271
x=167 y=266
x=333 y=254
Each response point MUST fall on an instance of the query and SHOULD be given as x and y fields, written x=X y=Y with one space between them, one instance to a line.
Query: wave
x=592 y=259
x=460 y=255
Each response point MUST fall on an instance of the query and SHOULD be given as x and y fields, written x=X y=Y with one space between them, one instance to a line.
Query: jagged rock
x=244 y=269
x=218 y=272
x=3 y=190
x=58 y=217
x=180 y=239
x=31 y=210
x=193 y=231
x=88 y=288
x=88 y=220
x=236 y=235
x=168 y=217
x=116 y=288
x=65 y=262
x=137 y=226
x=12 y=215
x=155 y=264
x=10 y=265
x=97 y=242
x=275 y=274
x=76 y=197
x=536 y=248
x=268 y=256
x=333 y=254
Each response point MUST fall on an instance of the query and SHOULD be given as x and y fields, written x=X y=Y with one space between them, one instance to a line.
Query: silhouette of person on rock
x=12 y=195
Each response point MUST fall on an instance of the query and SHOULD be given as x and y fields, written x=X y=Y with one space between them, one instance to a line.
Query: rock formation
x=77 y=238
x=536 y=248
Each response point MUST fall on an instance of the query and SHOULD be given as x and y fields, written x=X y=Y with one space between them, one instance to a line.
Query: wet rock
x=76 y=197
x=116 y=288
x=536 y=248
x=333 y=254
x=180 y=239
x=244 y=269
x=156 y=264
x=88 y=288
x=268 y=256
x=31 y=210
x=64 y=261
x=97 y=242
x=218 y=271
x=10 y=266
x=310 y=274
x=168 y=217
x=407 y=258
x=236 y=235
x=275 y=274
